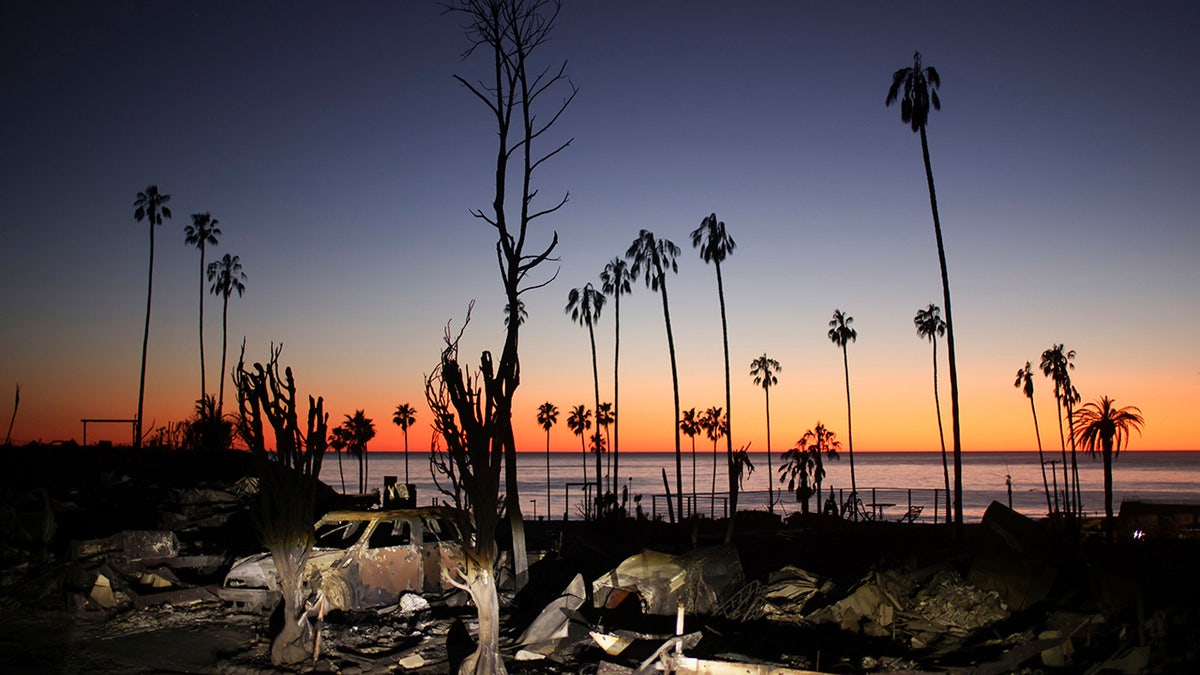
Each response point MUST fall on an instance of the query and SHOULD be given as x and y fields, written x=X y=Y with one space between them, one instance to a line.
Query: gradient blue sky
x=341 y=159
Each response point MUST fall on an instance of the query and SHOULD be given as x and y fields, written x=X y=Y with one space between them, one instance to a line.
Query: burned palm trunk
x=287 y=486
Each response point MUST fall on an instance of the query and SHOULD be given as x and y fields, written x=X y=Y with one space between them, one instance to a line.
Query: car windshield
x=339 y=534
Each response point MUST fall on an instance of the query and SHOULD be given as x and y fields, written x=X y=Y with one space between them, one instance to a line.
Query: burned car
x=361 y=559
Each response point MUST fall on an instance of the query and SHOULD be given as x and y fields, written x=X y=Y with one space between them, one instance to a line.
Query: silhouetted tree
x=284 y=507
x=226 y=277
x=690 y=426
x=1057 y=364
x=795 y=469
x=841 y=334
x=476 y=421
x=202 y=232
x=930 y=325
x=715 y=245
x=1102 y=427
x=579 y=421
x=584 y=305
x=652 y=258
x=715 y=425
x=605 y=417
x=614 y=282
x=1024 y=382
x=338 y=442
x=520 y=313
x=920 y=85
x=151 y=205
x=359 y=430
x=547 y=416
x=763 y=370
x=818 y=443
x=404 y=417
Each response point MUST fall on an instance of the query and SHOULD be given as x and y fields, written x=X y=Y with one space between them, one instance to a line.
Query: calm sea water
x=896 y=479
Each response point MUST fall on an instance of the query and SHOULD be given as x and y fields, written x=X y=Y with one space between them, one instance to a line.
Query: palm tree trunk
x=1074 y=465
x=137 y=436
x=406 y=454
x=341 y=473
x=733 y=487
x=1108 y=489
x=675 y=390
x=203 y=384
x=616 y=457
x=1041 y=457
x=224 y=348
x=1062 y=439
x=596 y=389
x=770 y=471
x=954 y=411
x=937 y=403
x=850 y=430
x=549 y=515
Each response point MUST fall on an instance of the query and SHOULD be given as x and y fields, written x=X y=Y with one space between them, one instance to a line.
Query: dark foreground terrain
x=110 y=559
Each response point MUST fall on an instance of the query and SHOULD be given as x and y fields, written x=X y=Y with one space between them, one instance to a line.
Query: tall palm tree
x=819 y=443
x=359 y=430
x=652 y=257
x=920 y=85
x=547 y=416
x=579 y=421
x=715 y=245
x=689 y=425
x=1057 y=364
x=614 y=282
x=930 y=325
x=763 y=370
x=584 y=305
x=1024 y=382
x=715 y=425
x=226 y=276
x=605 y=417
x=151 y=205
x=338 y=442
x=404 y=417
x=841 y=334
x=1101 y=426
x=202 y=232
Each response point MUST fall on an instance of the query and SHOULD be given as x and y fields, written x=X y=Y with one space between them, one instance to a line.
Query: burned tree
x=287 y=487
x=473 y=412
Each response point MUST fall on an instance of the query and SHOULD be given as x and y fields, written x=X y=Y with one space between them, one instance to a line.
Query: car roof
x=388 y=514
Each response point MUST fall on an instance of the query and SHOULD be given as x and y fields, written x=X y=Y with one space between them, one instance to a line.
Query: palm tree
x=605 y=417
x=547 y=416
x=614 y=282
x=1024 y=382
x=715 y=245
x=930 y=325
x=653 y=257
x=226 y=276
x=584 y=305
x=690 y=426
x=151 y=205
x=521 y=313
x=715 y=426
x=840 y=333
x=202 y=232
x=764 y=370
x=579 y=421
x=920 y=90
x=798 y=463
x=359 y=430
x=1101 y=426
x=1057 y=364
x=404 y=417
x=819 y=443
x=338 y=440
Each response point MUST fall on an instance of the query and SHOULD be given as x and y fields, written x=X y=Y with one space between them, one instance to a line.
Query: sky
x=342 y=160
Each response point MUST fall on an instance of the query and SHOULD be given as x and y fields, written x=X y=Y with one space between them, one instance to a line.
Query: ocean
x=890 y=480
